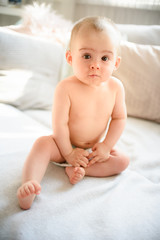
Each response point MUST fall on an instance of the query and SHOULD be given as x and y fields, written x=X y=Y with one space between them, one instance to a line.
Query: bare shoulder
x=116 y=84
x=66 y=84
x=62 y=91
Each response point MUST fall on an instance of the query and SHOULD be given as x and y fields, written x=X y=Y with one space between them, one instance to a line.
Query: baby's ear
x=117 y=63
x=69 y=57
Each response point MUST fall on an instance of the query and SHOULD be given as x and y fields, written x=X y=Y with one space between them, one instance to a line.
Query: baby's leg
x=116 y=163
x=43 y=151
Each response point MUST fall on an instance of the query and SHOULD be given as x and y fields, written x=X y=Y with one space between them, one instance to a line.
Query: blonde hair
x=98 y=24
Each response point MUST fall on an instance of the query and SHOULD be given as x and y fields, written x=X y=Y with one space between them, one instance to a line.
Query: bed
x=121 y=207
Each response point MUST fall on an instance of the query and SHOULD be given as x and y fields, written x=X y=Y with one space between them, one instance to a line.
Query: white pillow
x=141 y=34
x=30 y=69
x=140 y=73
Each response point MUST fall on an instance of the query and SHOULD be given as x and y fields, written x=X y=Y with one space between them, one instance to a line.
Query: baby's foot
x=75 y=174
x=29 y=188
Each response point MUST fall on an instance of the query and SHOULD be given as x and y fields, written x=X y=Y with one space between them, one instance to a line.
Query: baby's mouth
x=93 y=75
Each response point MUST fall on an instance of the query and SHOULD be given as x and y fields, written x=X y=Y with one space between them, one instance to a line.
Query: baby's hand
x=99 y=154
x=78 y=157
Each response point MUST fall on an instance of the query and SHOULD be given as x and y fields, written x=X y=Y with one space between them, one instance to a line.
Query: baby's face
x=94 y=56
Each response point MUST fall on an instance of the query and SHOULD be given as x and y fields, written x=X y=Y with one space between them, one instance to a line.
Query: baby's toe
x=31 y=189
x=26 y=190
x=22 y=193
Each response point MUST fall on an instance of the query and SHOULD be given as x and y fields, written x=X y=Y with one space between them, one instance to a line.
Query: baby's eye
x=105 y=58
x=87 y=56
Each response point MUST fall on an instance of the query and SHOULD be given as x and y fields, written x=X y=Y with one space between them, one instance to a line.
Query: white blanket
x=122 y=207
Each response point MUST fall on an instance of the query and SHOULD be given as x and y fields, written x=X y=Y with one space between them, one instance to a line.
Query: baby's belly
x=86 y=134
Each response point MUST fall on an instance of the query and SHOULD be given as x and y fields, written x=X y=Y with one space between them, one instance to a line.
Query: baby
x=83 y=106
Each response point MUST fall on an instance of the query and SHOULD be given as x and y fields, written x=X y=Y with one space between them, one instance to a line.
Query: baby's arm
x=118 y=118
x=101 y=151
x=60 y=118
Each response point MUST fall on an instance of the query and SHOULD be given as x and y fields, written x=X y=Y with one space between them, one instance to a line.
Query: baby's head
x=94 y=49
x=97 y=25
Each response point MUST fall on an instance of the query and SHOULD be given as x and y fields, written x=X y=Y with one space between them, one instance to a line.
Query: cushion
x=141 y=34
x=140 y=73
x=29 y=70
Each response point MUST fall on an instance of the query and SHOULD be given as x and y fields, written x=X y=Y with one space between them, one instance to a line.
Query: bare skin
x=45 y=150
x=75 y=174
x=83 y=105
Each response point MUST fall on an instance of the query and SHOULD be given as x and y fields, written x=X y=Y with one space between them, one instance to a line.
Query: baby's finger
x=84 y=159
x=83 y=162
x=102 y=160
x=92 y=155
x=76 y=164
x=94 y=160
x=94 y=147
x=86 y=153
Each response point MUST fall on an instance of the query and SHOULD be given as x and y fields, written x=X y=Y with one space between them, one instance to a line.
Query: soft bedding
x=122 y=207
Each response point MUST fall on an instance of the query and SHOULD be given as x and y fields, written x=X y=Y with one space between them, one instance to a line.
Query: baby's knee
x=124 y=162
x=42 y=142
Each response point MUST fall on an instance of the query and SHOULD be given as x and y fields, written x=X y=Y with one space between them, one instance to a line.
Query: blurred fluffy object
x=41 y=20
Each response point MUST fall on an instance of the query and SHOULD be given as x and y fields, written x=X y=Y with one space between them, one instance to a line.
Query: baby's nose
x=95 y=66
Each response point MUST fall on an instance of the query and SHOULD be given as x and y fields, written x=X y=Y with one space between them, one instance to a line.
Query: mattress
x=121 y=207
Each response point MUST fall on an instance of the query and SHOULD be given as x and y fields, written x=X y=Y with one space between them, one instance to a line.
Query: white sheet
x=42 y=116
x=126 y=206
